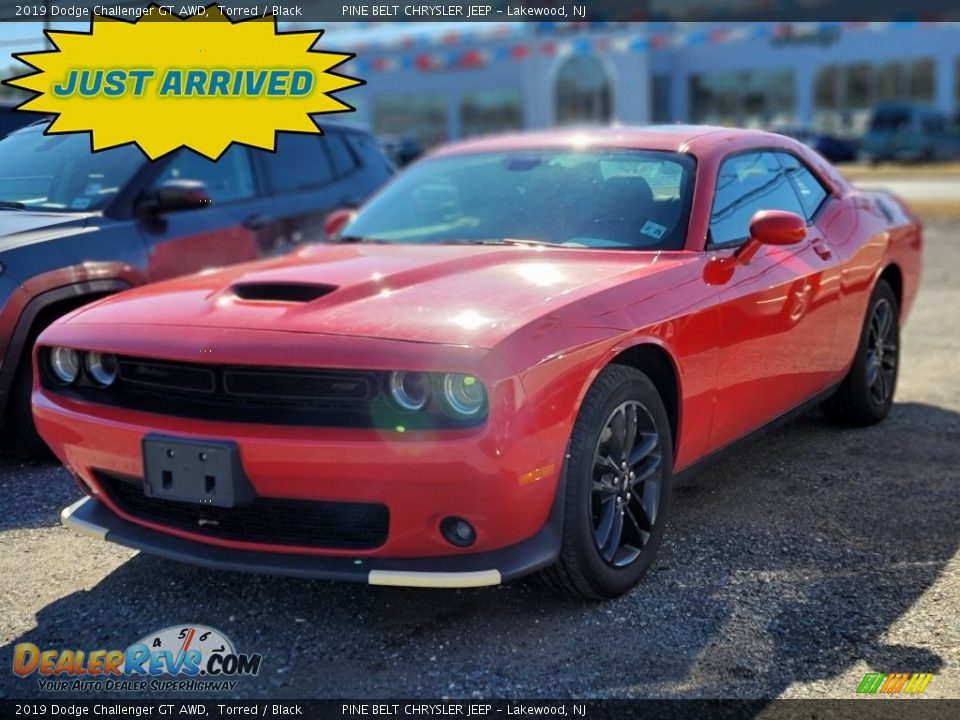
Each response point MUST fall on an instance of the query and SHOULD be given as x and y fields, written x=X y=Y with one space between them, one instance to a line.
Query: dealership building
x=436 y=82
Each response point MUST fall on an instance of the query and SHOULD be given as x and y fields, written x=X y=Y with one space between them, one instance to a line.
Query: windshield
x=629 y=199
x=58 y=172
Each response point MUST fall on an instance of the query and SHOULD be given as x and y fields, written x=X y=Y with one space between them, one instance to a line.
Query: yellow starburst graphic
x=166 y=82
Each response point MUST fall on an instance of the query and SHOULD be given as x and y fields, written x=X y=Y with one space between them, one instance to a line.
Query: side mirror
x=176 y=195
x=337 y=220
x=777 y=227
x=772 y=227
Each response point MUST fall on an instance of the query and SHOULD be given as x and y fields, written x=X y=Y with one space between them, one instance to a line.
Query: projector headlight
x=64 y=364
x=102 y=368
x=464 y=394
x=409 y=390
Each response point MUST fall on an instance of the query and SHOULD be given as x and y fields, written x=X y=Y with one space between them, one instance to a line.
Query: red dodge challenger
x=497 y=368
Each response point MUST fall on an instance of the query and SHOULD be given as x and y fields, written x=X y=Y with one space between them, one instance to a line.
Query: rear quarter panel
x=870 y=232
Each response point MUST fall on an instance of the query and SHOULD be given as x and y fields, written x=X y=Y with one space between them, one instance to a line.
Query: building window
x=921 y=80
x=956 y=87
x=583 y=92
x=889 y=82
x=713 y=98
x=419 y=117
x=761 y=98
x=660 y=99
x=858 y=93
x=490 y=111
x=844 y=95
x=825 y=88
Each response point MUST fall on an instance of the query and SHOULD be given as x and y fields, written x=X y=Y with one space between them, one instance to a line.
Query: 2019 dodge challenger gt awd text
x=497 y=368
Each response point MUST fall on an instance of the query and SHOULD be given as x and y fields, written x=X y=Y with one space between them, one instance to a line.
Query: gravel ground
x=813 y=556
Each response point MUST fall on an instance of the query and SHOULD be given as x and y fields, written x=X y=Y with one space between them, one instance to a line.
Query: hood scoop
x=281 y=292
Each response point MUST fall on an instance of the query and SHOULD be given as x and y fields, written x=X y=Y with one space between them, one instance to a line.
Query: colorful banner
x=476 y=49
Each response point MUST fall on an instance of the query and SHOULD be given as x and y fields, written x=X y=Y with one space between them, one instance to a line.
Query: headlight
x=102 y=368
x=64 y=364
x=409 y=390
x=464 y=394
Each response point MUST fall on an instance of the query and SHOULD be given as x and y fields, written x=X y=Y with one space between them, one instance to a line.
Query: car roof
x=673 y=138
x=339 y=126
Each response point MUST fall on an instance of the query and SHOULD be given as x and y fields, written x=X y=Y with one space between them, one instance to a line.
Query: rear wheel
x=866 y=395
x=616 y=487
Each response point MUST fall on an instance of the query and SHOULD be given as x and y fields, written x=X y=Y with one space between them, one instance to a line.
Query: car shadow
x=791 y=562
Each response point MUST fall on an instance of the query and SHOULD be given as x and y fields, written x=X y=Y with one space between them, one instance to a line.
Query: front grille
x=274 y=521
x=331 y=387
x=167 y=376
x=333 y=397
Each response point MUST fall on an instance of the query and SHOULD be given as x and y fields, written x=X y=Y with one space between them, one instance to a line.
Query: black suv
x=76 y=225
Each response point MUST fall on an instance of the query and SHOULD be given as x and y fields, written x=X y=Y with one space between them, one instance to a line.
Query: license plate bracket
x=201 y=472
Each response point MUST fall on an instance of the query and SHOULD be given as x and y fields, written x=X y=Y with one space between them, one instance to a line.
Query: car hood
x=25 y=227
x=451 y=294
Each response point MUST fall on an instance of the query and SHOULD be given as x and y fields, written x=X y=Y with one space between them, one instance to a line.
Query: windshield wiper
x=11 y=205
x=348 y=239
x=511 y=241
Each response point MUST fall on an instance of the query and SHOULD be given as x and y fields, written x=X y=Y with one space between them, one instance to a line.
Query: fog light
x=458 y=531
x=64 y=364
x=102 y=368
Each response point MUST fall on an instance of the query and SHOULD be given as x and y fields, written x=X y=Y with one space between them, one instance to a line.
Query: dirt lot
x=811 y=558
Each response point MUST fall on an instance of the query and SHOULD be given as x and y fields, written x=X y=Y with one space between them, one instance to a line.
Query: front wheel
x=866 y=394
x=20 y=414
x=616 y=487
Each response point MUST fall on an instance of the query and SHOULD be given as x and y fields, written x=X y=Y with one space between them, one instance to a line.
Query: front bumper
x=500 y=478
x=92 y=517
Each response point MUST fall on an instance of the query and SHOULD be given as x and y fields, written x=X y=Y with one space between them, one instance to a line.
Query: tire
x=589 y=566
x=866 y=394
x=20 y=413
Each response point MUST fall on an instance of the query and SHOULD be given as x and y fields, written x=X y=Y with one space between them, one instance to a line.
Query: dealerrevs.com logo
x=178 y=658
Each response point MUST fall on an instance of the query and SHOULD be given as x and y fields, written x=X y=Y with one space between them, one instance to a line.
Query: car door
x=185 y=241
x=307 y=178
x=777 y=311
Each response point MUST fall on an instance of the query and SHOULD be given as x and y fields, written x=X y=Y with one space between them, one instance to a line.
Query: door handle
x=821 y=249
x=257 y=221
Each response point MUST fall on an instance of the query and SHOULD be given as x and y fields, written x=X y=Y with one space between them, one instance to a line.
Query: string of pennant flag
x=462 y=49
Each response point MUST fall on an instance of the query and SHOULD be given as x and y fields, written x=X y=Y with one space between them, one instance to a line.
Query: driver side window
x=228 y=179
x=747 y=183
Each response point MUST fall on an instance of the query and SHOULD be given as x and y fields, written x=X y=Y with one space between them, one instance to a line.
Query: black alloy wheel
x=626 y=484
x=866 y=394
x=616 y=487
x=882 y=352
